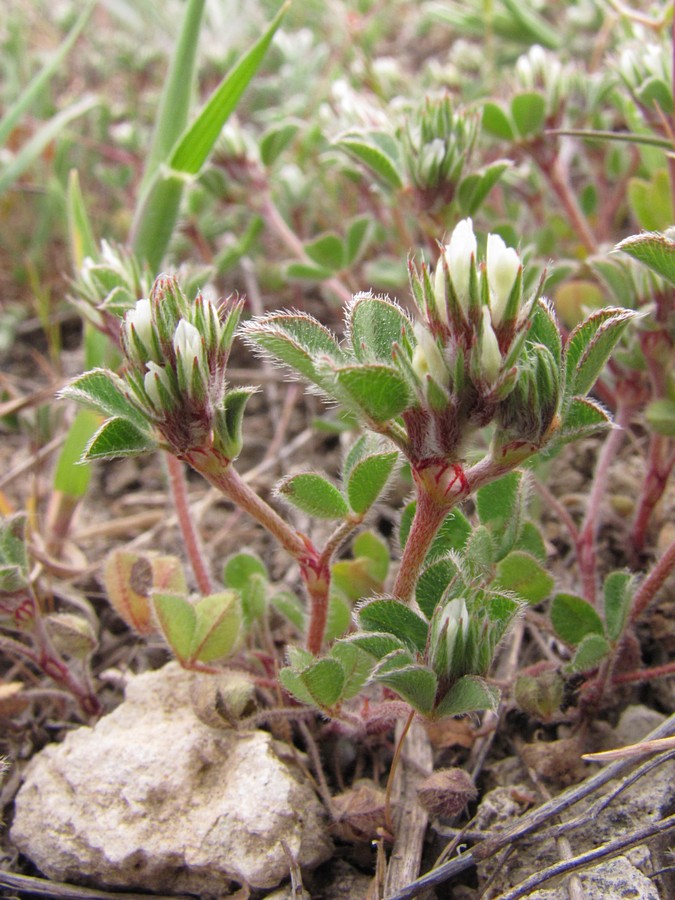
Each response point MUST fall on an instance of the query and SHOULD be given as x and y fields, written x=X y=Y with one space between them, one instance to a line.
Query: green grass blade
x=71 y=477
x=156 y=218
x=194 y=147
x=174 y=105
x=34 y=147
x=157 y=211
x=43 y=77
x=80 y=232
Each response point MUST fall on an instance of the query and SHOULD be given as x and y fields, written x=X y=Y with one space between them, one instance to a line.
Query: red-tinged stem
x=187 y=524
x=644 y=675
x=429 y=515
x=653 y=582
x=278 y=224
x=46 y=658
x=586 y=545
x=558 y=181
x=222 y=475
x=660 y=463
x=314 y=566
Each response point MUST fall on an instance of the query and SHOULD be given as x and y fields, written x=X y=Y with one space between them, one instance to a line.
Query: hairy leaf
x=573 y=618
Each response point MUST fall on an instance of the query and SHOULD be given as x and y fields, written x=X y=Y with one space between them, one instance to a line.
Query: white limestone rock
x=151 y=797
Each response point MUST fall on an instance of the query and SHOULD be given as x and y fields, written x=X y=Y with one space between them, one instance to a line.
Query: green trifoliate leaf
x=414 y=683
x=376 y=643
x=275 y=140
x=319 y=684
x=12 y=581
x=306 y=272
x=394 y=617
x=434 y=581
x=618 y=591
x=583 y=418
x=369 y=546
x=357 y=666
x=240 y=567
x=521 y=573
x=496 y=122
x=357 y=238
x=327 y=251
x=649 y=201
x=544 y=329
x=378 y=151
x=480 y=549
x=177 y=620
x=660 y=416
x=590 y=653
x=368 y=479
x=655 y=250
x=375 y=325
x=315 y=495
x=290 y=607
x=470 y=694
x=379 y=392
x=528 y=112
x=339 y=618
x=589 y=347
x=253 y=599
x=475 y=187
x=532 y=542
x=107 y=393
x=218 y=621
x=573 y=618
x=296 y=340
x=118 y=437
x=364 y=575
x=13 y=553
x=501 y=500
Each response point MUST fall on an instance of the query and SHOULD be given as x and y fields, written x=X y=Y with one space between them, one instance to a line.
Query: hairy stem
x=586 y=544
x=314 y=566
x=428 y=518
x=653 y=583
x=187 y=525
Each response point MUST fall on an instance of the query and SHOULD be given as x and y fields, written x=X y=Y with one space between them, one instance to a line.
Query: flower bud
x=502 y=265
x=137 y=331
x=427 y=358
x=459 y=255
x=449 y=634
x=188 y=345
x=157 y=385
x=490 y=355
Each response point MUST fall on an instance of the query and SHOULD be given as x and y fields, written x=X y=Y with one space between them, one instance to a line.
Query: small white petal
x=140 y=317
x=154 y=374
x=502 y=265
x=459 y=254
x=427 y=358
x=490 y=357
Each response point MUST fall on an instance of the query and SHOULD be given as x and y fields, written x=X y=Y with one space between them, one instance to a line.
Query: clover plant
x=466 y=389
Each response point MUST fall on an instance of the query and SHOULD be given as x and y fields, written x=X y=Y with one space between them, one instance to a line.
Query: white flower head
x=459 y=254
x=490 y=357
x=503 y=264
